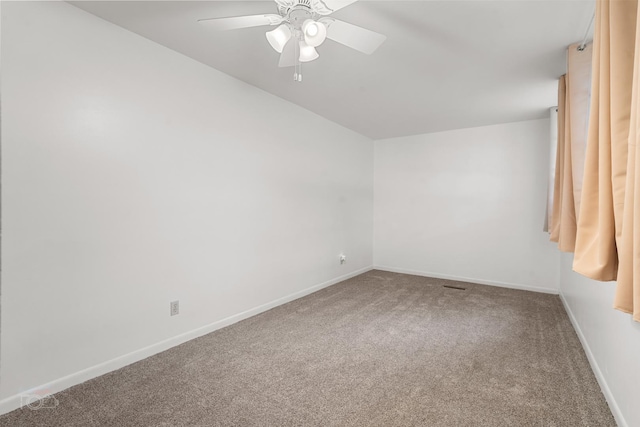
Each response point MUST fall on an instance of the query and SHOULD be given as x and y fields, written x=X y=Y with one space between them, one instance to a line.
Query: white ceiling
x=445 y=65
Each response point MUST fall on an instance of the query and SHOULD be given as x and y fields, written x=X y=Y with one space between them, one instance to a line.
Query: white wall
x=466 y=204
x=134 y=176
x=610 y=338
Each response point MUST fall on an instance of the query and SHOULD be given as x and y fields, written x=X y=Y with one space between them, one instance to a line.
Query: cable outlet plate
x=175 y=308
x=343 y=259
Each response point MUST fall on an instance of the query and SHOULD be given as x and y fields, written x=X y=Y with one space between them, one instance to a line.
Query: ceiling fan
x=303 y=25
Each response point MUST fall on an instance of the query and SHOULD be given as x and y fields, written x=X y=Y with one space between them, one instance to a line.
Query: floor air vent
x=454 y=287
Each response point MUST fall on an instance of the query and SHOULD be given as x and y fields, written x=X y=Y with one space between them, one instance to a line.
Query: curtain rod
x=583 y=45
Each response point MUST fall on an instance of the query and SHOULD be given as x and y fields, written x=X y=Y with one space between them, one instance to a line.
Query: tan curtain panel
x=563 y=219
x=573 y=108
x=628 y=290
x=553 y=148
x=603 y=194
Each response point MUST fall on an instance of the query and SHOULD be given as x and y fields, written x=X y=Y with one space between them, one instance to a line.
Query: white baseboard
x=14 y=402
x=613 y=405
x=469 y=280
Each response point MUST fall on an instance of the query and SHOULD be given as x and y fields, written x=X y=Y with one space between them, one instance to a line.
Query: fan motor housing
x=286 y=6
x=297 y=11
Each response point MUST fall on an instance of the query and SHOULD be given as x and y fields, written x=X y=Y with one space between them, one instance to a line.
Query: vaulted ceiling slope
x=445 y=65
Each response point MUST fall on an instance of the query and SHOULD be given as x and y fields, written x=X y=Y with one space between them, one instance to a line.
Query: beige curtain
x=603 y=195
x=628 y=290
x=553 y=148
x=563 y=219
x=573 y=107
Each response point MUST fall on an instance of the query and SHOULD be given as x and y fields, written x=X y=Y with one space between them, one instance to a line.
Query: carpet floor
x=381 y=349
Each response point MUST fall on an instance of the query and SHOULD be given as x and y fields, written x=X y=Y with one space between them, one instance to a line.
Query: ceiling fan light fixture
x=279 y=37
x=302 y=26
x=315 y=33
x=307 y=53
x=312 y=30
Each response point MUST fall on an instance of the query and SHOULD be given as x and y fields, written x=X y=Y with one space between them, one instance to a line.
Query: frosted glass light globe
x=315 y=33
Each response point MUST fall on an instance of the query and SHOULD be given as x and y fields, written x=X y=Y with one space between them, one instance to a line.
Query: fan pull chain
x=299 y=66
x=297 y=76
x=295 y=63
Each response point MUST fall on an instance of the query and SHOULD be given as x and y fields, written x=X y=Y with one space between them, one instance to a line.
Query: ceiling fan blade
x=288 y=56
x=358 y=38
x=232 y=23
x=325 y=7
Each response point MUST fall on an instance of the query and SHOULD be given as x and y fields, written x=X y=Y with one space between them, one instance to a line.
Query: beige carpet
x=381 y=349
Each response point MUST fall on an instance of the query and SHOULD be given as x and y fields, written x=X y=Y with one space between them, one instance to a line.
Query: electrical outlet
x=175 y=308
x=343 y=259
